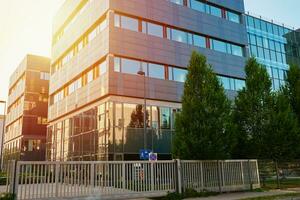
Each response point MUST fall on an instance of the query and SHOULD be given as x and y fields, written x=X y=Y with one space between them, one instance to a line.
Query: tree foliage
x=202 y=129
x=292 y=89
x=281 y=139
x=252 y=110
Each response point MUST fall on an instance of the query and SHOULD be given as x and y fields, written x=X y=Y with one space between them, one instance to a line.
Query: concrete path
x=243 y=195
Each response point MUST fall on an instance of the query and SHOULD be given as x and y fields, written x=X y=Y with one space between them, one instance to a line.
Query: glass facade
x=112 y=129
x=271 y=44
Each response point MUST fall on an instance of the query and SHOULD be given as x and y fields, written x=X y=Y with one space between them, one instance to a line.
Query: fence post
x=56 y=178
x=16 y=180
x=92 y=176
x=179 y=186
x=242 y=173
x=12 y=176
x=152 y=176
x=250 y=175
x=219 y=176
x=123 y=176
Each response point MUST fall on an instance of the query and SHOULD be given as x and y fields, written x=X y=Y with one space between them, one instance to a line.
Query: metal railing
x=127 y=179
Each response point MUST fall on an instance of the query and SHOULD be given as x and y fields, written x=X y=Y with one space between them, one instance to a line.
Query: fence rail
x=127 y=179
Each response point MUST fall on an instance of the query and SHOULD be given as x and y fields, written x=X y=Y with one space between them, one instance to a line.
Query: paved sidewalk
x=243 y=195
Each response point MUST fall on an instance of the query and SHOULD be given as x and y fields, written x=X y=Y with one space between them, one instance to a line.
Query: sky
x=26 y=28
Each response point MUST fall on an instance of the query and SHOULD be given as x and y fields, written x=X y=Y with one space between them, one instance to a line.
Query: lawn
x=275 y=197
x=284 y=184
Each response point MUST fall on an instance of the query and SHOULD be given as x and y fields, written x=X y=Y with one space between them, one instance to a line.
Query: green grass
x=274 y=197
x=284 y=184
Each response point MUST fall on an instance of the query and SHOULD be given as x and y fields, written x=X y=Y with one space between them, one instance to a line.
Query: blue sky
x=283 y=11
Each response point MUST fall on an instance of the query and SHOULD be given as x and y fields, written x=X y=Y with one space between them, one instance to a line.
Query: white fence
x=127 y=179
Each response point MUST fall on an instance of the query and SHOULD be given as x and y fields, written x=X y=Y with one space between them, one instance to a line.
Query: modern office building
x=26 y=119
x=274 y=45
x=2 y=121
x=108 y=56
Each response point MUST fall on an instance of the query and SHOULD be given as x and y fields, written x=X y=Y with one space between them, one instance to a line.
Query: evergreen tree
x=292 y=89
x=252 y=111
x=202 y=128
x=281 y=140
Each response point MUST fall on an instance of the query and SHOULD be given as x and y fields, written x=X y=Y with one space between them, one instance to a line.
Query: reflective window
x=179 y=2
x=233 y=17
x=165 y=118
x=215 y=11
x=199 y=41
x=219 y=46
x=250 y=21
x=237 y=50
x=179 y=36
x=155 y=30
x=103 y=68
x=176 y=74
x=89 y=76
x=156 y=71
x=126 y=22
x=197 y=5
x=130 y=66
x=117 y=64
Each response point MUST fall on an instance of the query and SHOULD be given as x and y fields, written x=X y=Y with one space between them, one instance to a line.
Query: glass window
x=215 y=11
x=199 y=41
x=253 y=51
x=239 y=84
x=156 y=71
x=179 y=2
x=277 y=46
x=237 y=50
x=275 y=73
x=252 y=39
x=273 y=56
x=279 y=58
x=233 y=17
x=102 y=68
x=272 y=45
x=117 y=21
x=267 y=54
x=250 y=21
x=103 y=25
x=130 y=66
x=270 y=28
x=179 y=36
x=259 y=41
x=155 y=30
x=179 y=74
x=129 y=23
x=89 y=77
x=219 y=46
x=260 y=52
x=266 y=43
x=257 y=23
x=281 y=74
x=190 y=38
x=197 y=5
x=263 y=26
x=164 y=118
x=117 y=64
x=276 y=29
x=281 y=31
x=225 y=82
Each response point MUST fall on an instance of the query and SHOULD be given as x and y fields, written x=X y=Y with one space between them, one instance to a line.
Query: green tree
x=252 y=111
x=292 y=88
x=202 y=128
x=281 y=139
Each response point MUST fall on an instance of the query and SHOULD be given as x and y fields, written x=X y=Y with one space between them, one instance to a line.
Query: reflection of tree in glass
x=137 y=117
